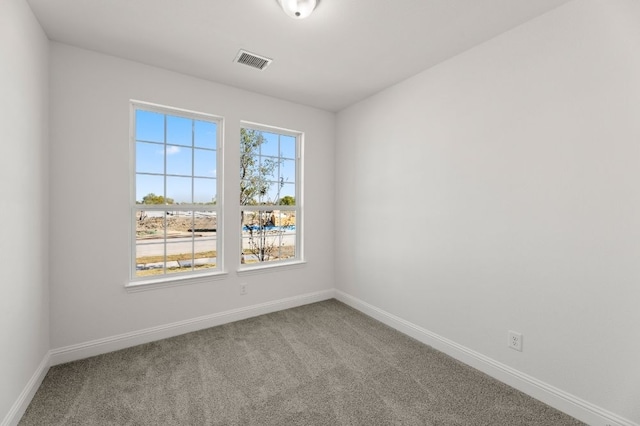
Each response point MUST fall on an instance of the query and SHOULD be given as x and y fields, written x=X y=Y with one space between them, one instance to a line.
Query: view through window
x=269 y=195
x=176 y=210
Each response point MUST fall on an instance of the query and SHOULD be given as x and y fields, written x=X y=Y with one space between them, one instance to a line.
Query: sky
x=188 y=150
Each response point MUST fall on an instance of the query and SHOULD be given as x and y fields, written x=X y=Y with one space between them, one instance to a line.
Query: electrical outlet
x=243 y=288
x=515 y=340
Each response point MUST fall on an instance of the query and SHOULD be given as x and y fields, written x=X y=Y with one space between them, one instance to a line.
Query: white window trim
x=299 y=260
x=283 y=265
x=173 y=281
x=169 y=280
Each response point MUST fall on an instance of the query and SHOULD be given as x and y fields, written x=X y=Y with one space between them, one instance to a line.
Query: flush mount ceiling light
x=298 y=9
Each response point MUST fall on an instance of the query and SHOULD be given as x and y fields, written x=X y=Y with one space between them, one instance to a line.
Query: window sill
x=153 y=284
x=261 y=269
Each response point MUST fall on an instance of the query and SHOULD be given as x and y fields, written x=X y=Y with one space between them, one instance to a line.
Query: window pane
x=179 y=130
x=287 y=195
x=179 y=223
x=205 y=134
x=149 y=158
x=150 y=224
x=205 y=253
x=247 y=193
x=205 y=223
x=269 y=168
x=178 y=190
x=269 y=145
x=268 y=235
x=180 y=254
x=287 y=220
x=149 y=259
x=287 y=235
x=204 y=191
x=149 y=126
x=178 y=160
x=288 y=171
x=204 y=163
x=288 y=146
x=273 y=195
x=247 y=257
x=149 y=189
x=149 y=251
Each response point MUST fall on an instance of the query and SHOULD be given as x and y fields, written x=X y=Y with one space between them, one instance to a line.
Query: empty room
x=320 y=212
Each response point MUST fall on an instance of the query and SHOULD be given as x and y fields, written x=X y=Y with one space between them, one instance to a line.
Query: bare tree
x=256 y=180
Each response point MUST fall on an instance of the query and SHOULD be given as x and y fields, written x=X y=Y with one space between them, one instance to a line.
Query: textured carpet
x=320 y=364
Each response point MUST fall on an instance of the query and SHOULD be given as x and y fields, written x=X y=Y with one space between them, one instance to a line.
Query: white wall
x=24 y=310
x=500 y=190
x=90 y=197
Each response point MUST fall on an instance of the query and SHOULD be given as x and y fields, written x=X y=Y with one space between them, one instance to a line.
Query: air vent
x=252 y=60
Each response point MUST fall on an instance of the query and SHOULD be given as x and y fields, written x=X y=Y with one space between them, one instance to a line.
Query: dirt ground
x=180 y=224
x=150 y=225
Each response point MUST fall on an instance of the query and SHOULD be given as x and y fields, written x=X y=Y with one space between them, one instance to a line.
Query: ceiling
x=344 y=52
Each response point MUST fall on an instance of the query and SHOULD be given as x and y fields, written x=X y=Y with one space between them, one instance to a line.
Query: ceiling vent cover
x=252 y=60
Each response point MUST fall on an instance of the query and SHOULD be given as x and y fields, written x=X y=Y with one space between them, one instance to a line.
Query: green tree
x=287 y=200
x=152 y=198
x=254 y=174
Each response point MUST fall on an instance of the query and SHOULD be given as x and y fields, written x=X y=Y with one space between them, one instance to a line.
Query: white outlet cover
x=515 y=340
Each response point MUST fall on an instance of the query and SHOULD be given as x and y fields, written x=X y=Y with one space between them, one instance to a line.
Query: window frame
x=298 y=208
x=191 y=276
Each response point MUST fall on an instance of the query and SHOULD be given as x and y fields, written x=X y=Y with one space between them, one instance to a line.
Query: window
x=175 y=209
x=270 y=195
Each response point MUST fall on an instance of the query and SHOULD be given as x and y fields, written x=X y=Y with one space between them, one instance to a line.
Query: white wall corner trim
x=550 y=395
x=126 y=340
x=20 y=406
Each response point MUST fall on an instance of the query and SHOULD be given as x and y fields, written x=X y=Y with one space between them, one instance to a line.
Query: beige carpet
x=320 y=364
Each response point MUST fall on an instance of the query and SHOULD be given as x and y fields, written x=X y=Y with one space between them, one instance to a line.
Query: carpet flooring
x=319 y=364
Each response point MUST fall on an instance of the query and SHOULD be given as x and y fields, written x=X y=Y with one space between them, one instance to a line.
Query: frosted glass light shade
x=298 y=9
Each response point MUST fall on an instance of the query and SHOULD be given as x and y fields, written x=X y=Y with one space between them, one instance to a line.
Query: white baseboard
x=20 y=406
x=122 y=341
x=550 y=395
